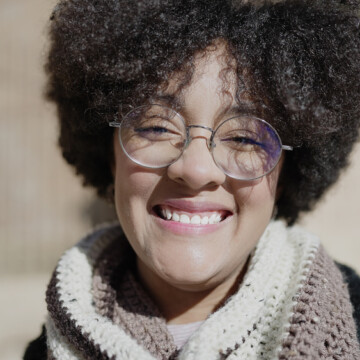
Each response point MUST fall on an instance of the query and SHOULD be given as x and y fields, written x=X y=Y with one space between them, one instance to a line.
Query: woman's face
x=190 y=256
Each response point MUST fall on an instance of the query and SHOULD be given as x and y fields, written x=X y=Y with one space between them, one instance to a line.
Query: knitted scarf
x=291 y=304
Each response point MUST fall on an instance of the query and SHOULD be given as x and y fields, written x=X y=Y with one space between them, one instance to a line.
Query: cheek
x=132 y=190
x=258 y=195
x=130 y=179
x=256 y=199
x=128 y=187
x=134 y=187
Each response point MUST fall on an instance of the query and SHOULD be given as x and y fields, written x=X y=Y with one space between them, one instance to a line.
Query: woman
x=211 y=125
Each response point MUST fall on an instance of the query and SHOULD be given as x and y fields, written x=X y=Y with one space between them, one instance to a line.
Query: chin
x=190 y=274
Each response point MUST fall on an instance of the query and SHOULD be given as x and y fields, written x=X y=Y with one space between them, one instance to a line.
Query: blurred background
x=43 y=207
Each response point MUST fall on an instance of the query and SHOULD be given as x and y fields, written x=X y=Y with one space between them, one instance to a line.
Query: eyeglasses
x=243 y=147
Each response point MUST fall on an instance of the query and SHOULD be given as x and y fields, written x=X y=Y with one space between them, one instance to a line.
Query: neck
x=182 y=306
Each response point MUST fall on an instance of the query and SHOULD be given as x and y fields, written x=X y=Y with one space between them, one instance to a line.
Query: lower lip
x=189 y=229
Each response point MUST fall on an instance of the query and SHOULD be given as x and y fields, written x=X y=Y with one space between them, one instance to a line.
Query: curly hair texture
x=301 y=58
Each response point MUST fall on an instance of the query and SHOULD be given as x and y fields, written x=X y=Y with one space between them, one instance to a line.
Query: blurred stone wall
x=43 y=207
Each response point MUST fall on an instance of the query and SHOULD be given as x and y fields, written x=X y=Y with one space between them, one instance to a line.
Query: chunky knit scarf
x=291 y=304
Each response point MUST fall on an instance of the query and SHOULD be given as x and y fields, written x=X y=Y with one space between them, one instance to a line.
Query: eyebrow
x=239 y=109
x=173 y=101
x=177 y=103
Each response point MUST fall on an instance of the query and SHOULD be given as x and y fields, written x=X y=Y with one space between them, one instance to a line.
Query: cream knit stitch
x=260 y=311
x=74 y=273
x=253 y=324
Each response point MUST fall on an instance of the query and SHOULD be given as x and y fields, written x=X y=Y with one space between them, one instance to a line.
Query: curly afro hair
x=303 y=57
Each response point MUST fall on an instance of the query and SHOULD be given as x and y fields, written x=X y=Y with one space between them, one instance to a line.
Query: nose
x=196 y=167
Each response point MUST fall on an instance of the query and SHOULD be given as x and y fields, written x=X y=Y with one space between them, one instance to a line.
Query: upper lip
x=194 y=206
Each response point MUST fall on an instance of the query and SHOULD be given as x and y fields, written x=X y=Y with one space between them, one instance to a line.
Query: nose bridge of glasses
x=200 y=134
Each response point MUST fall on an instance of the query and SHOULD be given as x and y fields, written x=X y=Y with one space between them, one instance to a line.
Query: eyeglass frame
x=210 y=143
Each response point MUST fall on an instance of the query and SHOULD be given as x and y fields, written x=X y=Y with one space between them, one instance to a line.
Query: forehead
x=211 y=81
x=212 y=70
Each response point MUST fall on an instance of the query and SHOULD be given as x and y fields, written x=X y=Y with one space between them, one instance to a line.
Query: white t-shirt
x=182 y=332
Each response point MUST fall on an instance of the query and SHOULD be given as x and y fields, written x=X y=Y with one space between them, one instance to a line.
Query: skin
x=190 y=272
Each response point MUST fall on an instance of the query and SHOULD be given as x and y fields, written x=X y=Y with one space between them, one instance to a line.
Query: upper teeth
x=197 y=219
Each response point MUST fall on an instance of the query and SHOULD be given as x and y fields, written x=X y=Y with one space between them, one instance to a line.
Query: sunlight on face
x=191 y=226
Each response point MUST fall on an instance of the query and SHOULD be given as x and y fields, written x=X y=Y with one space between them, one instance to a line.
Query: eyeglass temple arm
x=287 y=147
x=114 y=124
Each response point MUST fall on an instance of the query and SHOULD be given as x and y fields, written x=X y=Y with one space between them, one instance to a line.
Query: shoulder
x=37 y=349
x=352 y=280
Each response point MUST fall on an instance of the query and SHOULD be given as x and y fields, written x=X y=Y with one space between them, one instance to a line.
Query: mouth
x=210 y=217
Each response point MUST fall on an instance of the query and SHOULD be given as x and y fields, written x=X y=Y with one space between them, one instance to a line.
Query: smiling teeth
x=215 y=218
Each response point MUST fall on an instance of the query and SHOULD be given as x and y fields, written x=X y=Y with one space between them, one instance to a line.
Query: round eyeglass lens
x=153 y=135
x=246 y=148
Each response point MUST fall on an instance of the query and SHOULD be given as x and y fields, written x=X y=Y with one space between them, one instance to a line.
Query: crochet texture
x=291 y=304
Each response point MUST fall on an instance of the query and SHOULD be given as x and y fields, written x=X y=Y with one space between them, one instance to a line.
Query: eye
x=152 y=129
x=242 y=141
x=154 y=132
x=156 y=127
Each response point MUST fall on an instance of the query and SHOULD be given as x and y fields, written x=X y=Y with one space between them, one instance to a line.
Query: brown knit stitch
x=118 y=296
x=67 y=327
x=153 y=331
x=321 y=327
x=112 y=263
x=51 y=356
